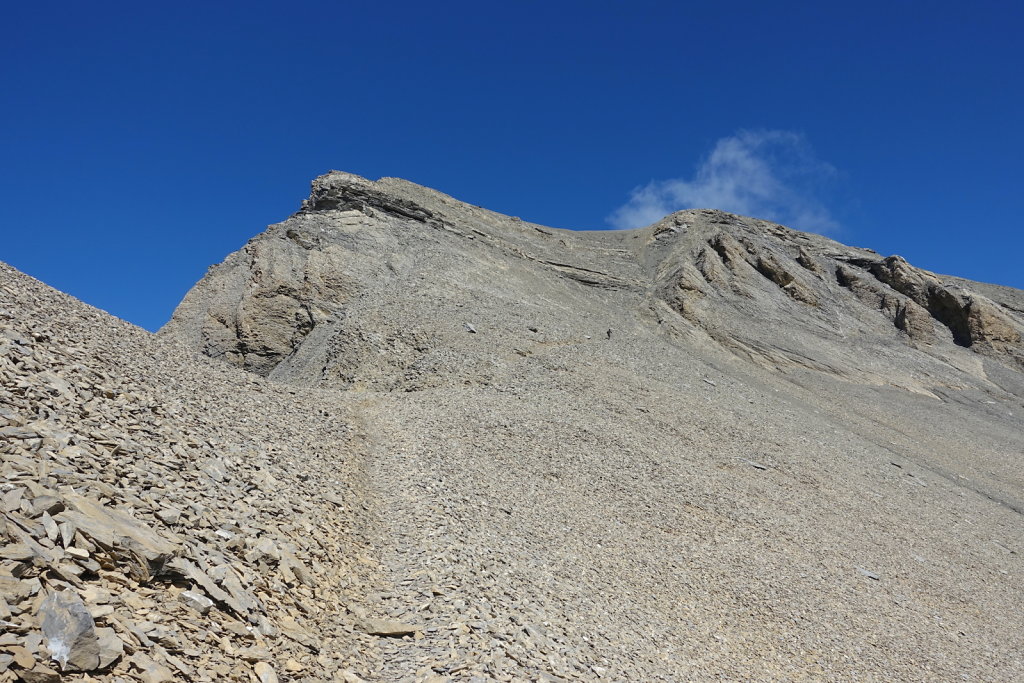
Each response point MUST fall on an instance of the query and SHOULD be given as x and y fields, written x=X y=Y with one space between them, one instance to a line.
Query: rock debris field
x=402 y=438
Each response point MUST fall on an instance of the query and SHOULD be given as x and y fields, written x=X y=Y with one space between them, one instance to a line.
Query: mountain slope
x=711 y=448
x=166 y=517
x=714 y=446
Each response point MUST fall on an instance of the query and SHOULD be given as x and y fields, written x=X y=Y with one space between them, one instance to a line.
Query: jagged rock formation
x=711 y=448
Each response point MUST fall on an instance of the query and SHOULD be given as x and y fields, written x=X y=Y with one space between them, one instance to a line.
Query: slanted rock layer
x=292 y=303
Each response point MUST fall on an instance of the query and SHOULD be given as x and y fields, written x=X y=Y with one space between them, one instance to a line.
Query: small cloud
x=771 y=174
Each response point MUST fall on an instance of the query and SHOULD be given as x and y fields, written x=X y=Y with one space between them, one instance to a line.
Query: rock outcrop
x=308 y=297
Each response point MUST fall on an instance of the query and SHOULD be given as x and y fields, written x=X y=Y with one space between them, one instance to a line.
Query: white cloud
x=770 y=174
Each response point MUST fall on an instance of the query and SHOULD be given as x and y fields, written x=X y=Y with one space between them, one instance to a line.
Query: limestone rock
x=196 y=601
x=987 y=323
x=39 y=674
x=70 y=632
x=129 y=540
x=111 y=647
x=385 y=627
x=151 y=671
x=265 y=672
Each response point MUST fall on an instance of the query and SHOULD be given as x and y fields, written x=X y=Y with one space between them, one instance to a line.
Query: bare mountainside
x=458 y=446
x=166 y=517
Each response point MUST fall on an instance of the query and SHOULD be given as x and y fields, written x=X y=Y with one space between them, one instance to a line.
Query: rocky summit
x=398 y=437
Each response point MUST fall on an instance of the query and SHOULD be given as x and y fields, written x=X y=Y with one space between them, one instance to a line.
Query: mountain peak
x=438 y=439
x=769 y=294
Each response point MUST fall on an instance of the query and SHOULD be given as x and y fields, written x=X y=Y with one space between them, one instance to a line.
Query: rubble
x=143 y=535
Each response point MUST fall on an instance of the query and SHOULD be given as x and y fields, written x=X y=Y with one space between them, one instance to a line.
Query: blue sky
x=142 y=142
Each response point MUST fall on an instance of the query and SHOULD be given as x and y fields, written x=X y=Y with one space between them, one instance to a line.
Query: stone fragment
x=196 y=601
x=168 y=515
x=180 y=665
x=69 y=631
x=46 y=504
x=239 y=595
x=293 y=630
x=190 y=571
x=18 y=433
x=151 y=671
x=265 y=672
x=868 y=573
x=131 y=541
x=50 y=527
x=12 y=590
x=294 y=566
x=22 y=657
x=18 y=552
x=39 y=674
x=94 y=594
x=100 y=611
x=254 y=654
x=17 y=588
x=385 y=627
x=348 y=677
x=77 y=553
x=214 y=468
x=110 y=645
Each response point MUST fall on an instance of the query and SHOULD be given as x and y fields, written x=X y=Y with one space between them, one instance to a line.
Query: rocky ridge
x=290 y=304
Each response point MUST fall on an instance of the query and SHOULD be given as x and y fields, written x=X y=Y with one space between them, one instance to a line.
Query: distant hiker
x=609 y=333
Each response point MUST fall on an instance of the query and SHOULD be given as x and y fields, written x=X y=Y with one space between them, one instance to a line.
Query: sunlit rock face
x=398 y=437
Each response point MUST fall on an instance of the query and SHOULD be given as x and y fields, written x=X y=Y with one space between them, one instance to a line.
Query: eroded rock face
x=970 y=317
x=317 y=297
x=268 y=298
x=337 y=191
x=931 y=313
x=988 y=323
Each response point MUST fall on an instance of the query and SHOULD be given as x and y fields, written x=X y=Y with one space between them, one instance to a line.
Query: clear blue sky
x=142 y=142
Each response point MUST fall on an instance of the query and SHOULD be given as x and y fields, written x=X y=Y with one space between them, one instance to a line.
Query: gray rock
x=111 y=647
x=870 y=574
x=196 y=601
x=144 y=550
x=385 y=627
x=40 y=673
x=265 y=672
x=169 y=516
x=151 y=671
x=70 y=632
